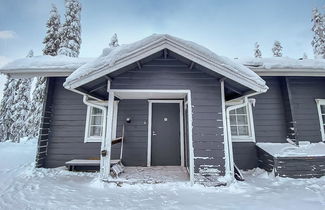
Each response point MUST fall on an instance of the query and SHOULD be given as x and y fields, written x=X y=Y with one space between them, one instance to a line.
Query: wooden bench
x=86 y=165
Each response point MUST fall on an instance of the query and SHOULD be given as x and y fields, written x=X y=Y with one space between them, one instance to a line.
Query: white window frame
x=89 y=139
x=321 y=102
x=251 y=128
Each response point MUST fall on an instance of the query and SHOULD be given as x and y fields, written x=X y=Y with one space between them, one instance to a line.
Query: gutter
x=228 y=145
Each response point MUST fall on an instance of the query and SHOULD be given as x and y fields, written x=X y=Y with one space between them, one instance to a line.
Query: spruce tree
x=6 y=119
x=257 y=51
x=30 y=54
x=318 y=28
x=70 y=32
x=36 y=107
x=20 y=109
x=52 y=38
x=114 y=41
x=277 y=49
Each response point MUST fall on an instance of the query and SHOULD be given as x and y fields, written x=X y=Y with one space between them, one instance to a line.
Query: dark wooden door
x=165 y=135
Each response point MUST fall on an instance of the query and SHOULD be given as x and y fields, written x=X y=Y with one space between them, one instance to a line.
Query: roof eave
x=37 y=72
x=289 y=72
x=177 y=48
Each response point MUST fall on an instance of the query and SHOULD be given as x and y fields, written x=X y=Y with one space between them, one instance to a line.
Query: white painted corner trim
x=321 y=102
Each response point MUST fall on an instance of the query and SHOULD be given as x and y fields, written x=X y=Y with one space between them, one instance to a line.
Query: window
x=321 y=113
x=94 y=125
x=241 y=124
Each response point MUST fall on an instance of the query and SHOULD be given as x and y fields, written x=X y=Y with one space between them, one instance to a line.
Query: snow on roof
x=111 y=56
x=45 y=62
x=289 y=150
x=282 y=63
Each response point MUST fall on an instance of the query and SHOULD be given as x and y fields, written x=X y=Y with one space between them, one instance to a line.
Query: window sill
x=249 y=140
x=92 y=140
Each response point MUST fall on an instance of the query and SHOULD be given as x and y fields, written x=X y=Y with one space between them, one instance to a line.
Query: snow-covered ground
x=22 y=187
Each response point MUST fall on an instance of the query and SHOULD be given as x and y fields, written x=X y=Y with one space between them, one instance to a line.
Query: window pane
x=241 y=110
x=234 y=130
x=96 y=120
x=95 y=131
x=243 y=131
x=233 y=120
x=242 y=119
x=96 y=111
x=232 y=112
x=322 y=108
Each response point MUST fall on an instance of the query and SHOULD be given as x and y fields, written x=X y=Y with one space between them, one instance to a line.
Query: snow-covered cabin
x=175 y=103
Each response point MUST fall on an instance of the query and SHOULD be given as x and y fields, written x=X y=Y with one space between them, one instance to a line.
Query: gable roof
x=113 y=59
x=44 y=65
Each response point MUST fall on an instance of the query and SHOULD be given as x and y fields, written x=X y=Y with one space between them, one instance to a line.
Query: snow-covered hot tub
x=287 y=160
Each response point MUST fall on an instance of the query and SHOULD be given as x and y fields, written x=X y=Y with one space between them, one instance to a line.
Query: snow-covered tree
x=36 y=107
x=52 y=38
x=70 y=32
x=257 y=51
x=114 y=41
x=7 y=102
x=304 y=56
x=30 y=54
x=277 y=49
x=318 y=28
x=20 y=109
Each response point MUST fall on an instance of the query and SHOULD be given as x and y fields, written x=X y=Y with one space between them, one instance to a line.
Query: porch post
x=105 y=160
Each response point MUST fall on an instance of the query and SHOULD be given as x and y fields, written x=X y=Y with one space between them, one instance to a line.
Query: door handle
x=154 y=133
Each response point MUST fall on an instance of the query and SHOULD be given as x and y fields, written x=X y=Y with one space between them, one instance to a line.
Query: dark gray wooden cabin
x=168 y=88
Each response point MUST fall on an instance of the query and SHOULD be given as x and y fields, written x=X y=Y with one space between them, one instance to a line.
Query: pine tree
x=114 y=41
x=70 y=33
x=30 y=54
x=36 y=107
x=52 y=38
x=6 y=119
x=20 y=109
x=257 y=51
x=277 y=49
x=318 y=28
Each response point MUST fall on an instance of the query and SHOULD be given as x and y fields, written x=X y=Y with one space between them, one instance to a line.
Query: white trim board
x=289 y=72
x=181 y=118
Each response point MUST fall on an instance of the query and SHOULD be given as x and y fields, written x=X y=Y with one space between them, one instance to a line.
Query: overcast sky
x=229 y=28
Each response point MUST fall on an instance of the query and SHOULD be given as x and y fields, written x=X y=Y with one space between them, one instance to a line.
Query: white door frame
x=181 y=118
